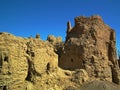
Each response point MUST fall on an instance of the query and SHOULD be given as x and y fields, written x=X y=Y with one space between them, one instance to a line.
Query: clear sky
x=30 y=17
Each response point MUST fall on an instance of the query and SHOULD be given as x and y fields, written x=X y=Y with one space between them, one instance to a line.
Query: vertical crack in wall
x=30 y=60
x=5 y=88
x=29 y=74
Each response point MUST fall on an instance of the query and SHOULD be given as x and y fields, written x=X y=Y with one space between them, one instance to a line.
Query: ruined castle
x=86 y=58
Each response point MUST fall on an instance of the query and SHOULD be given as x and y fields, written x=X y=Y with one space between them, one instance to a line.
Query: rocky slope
x=85 y=61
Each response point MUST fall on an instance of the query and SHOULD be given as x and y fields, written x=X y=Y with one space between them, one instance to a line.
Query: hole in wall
x=72 y=60
x=48 y=66
x=6 y=59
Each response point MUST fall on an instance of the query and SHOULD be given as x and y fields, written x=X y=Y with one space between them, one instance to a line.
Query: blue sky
x=29 y=17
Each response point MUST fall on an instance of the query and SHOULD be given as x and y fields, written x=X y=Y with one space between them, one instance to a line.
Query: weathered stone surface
x=30 y=64
x=86 y=60
x=38 y=36
x=90 y=45
x=23 y=60
x=80 y=76
x=69 y=27
x=116 y=75
x=54 y=40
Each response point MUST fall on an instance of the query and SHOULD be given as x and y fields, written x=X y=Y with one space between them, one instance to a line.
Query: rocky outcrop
x=90 y=45
x=86 y=60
